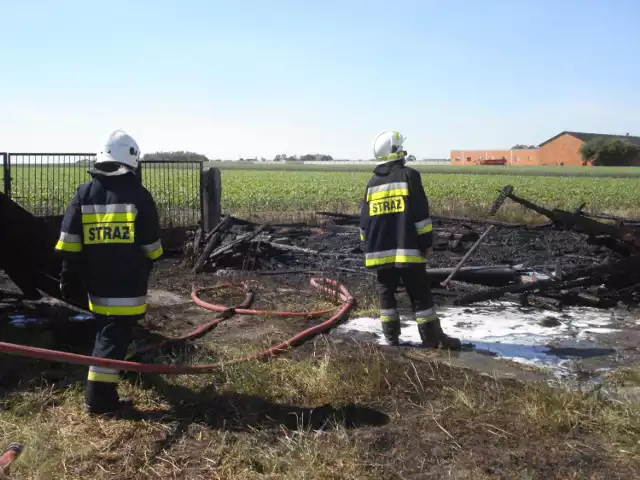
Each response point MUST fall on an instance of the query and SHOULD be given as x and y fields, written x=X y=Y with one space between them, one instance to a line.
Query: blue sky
x=257 y=78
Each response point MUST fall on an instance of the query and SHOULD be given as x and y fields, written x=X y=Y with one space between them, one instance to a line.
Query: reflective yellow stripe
x=400 y=192
x=400 y=255
x=425 y=229
x=155 y=254
x=427 y=319
x=103 y=377
x=424 y=226
x=110 y=208
x=117 y=310
x=68 y=247
x=362 y=237
x=392 y=156
x=153 y=250
x=108 y=217
x=372 y=262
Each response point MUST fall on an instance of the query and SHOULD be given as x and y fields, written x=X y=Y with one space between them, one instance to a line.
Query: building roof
x=585 y=137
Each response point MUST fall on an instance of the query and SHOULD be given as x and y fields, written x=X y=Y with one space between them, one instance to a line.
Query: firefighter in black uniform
x=110 y=238
x=396 y=227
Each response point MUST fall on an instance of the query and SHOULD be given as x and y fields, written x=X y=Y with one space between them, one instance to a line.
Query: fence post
x=211 y=198
x=138 y=172
x=6 y=169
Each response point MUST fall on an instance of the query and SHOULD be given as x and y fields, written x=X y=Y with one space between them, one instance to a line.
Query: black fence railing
x=44 y=184
x=176 y=189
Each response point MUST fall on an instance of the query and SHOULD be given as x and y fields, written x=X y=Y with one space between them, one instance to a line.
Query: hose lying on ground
x=330 y=286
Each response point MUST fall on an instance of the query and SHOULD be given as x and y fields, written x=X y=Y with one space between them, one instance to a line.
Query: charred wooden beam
x=27 y=251
x=211 y=242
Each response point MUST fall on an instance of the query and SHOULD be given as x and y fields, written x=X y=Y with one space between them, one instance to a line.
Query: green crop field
x=267 y=192
x=270 y=193
x=553 y=171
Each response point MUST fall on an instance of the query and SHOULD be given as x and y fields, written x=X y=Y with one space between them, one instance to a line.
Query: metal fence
x=176 y=189
x=44 y=184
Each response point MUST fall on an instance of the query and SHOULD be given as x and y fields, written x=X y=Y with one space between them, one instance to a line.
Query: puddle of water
x=22 y=321
x=506 y=331
x=82 y=317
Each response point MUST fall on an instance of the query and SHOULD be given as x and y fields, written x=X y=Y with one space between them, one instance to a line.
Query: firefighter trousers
x=416 y=282
x=114 y=335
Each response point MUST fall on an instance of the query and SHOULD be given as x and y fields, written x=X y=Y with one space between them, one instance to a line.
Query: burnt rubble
x=573 y=259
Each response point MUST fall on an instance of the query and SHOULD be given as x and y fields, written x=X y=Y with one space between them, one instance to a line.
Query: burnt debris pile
x=575 y=258
x=237 y=244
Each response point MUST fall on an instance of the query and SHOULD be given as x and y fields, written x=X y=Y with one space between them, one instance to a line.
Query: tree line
x=609 y=152
x=183 y=156
x=599 y=151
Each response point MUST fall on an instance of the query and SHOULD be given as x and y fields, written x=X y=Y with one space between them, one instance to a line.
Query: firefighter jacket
x=394 y=222
x=111 y=233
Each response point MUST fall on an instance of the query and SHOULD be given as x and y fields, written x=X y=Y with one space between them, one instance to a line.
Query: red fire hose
x=334 y=288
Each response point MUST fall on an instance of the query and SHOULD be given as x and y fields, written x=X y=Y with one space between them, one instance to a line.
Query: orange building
x=527 y=156
x=563 y=149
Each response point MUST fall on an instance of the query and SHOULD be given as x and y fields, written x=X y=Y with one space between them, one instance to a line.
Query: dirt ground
x=335 y=407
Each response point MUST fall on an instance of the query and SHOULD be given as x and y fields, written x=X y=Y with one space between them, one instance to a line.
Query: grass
x=337 y=413
x=459 y=195
x=625 y=377
x=537 y=171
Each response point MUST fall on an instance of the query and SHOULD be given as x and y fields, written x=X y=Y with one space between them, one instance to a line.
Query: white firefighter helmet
x=119 y=148
x=387 y=146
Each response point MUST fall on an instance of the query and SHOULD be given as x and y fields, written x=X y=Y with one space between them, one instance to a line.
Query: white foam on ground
x=505 y=330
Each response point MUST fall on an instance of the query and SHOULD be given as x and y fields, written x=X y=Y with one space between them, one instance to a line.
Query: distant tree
x=178 y=156
x=87 y=162
x=602 y=151
x=315 y=157
x=523 y=147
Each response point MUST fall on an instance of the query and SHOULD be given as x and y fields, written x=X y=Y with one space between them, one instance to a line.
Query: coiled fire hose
x=322 y=284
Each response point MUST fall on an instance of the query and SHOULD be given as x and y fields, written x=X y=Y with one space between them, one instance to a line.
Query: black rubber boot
x=432 y=336
x=123 y=406
x=391 y=331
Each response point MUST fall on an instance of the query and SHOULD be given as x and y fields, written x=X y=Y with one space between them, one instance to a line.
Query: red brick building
x=563 y=149
x=527 y=156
